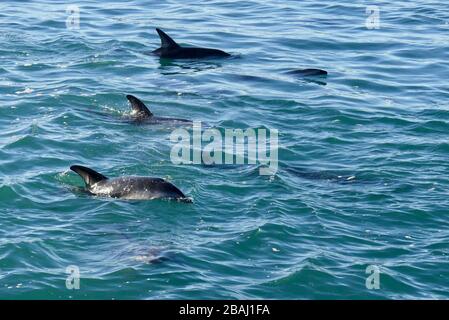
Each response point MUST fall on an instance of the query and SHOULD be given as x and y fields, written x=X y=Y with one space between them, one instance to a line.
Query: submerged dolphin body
x=141 y=113
x=322 y=175
x=128 y=188
x=171 y=50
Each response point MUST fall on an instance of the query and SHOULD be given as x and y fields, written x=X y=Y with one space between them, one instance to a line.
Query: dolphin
x=141 y=114
x=308 y=72
x=322 y=175
x=171 y=50
x=128 y=188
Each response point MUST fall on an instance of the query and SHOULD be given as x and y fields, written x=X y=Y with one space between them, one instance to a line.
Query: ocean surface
x=362 y=183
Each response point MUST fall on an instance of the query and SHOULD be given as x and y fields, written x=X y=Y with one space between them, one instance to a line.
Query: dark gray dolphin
x=141 y=114
x=308 y=72
x=129 y=188
x=171 y=50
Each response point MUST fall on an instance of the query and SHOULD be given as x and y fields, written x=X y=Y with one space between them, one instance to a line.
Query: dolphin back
x=137 y=188
x=308 y=72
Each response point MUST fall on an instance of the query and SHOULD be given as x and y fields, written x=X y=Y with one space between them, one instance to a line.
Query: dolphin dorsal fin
x=139 y=108
x=89 y=176
x=166 y=41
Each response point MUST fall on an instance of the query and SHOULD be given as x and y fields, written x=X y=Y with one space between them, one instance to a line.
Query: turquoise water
x=381 y=117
